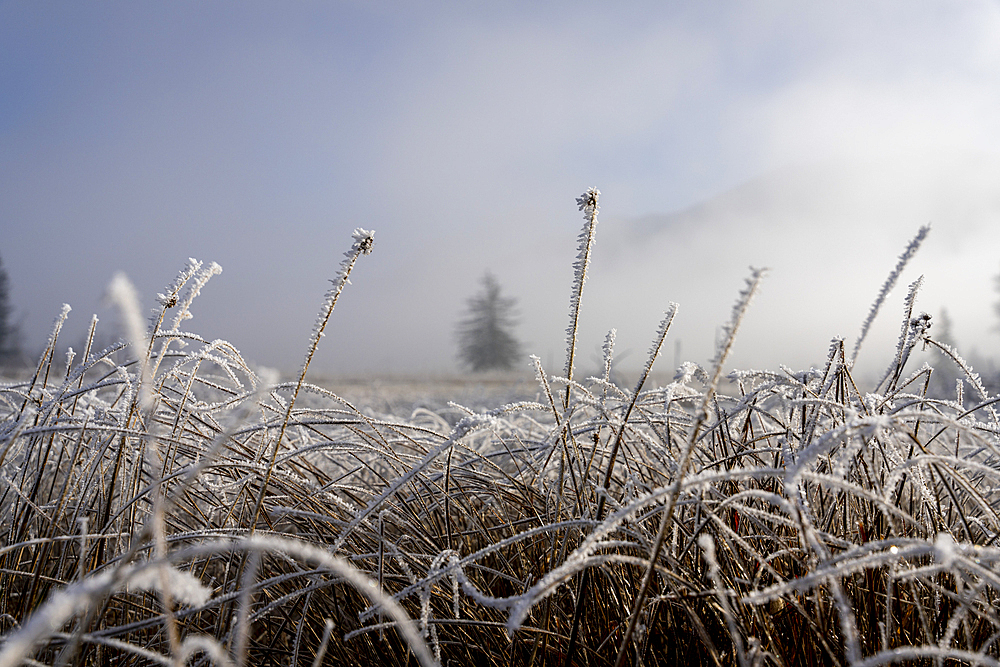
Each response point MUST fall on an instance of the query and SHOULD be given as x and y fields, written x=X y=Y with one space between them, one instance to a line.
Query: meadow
x=161 y=502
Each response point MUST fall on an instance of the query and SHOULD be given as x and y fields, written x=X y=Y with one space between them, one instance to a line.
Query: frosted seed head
x=920 y=325
x=588 y=200
x=364 y=240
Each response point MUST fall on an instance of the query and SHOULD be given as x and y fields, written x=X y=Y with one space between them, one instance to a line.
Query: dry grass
x=176 y=508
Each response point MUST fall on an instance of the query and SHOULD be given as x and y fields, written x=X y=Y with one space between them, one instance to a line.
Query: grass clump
x=177 y=508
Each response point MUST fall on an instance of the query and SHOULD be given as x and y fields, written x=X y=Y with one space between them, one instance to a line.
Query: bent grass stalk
x=364 y=240
x=890 y=282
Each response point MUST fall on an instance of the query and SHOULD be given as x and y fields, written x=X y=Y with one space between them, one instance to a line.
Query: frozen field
x=399 y=397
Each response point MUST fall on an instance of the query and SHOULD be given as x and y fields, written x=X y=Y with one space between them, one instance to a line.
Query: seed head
x=588 y=200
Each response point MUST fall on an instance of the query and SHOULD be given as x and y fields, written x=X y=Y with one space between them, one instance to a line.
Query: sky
x=812 y=138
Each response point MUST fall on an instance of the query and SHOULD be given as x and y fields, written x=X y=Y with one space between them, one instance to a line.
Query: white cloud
x=884 y=80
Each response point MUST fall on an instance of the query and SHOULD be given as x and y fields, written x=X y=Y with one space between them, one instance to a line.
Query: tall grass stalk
x=364 y=241
x=890 y=282
x=589 y=203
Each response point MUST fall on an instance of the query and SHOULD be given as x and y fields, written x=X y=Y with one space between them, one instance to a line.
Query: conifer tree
x=996 y=306
x=9 y=348
x=945 y=373
x=485 y=337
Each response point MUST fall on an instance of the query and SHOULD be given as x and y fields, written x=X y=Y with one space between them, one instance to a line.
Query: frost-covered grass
x=177 y=508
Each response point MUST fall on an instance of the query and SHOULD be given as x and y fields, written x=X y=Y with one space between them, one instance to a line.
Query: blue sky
x=258 y=135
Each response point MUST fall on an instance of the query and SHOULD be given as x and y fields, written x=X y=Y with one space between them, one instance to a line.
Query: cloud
x=896 y=82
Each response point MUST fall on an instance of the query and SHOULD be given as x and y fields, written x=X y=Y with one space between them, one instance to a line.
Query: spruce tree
x=8 y=331
x=996 y=305
x=485 y=337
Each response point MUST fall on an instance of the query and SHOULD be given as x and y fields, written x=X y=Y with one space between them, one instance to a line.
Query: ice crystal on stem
x=608 y=348
x=588 y=203
x=887 y=286
x=200 y=278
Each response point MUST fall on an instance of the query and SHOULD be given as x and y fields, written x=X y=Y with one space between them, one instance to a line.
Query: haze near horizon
x=812 y=140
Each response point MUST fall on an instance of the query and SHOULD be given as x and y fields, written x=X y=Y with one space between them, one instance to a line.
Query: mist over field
x=811 y=140
x=829 y=233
